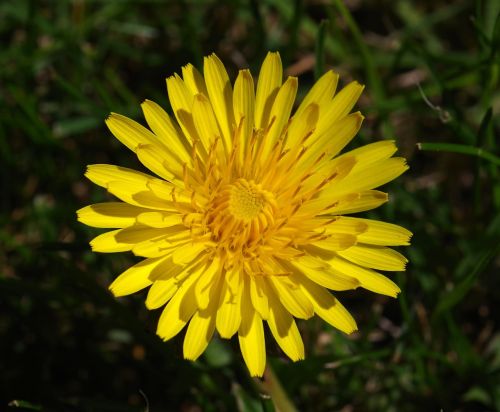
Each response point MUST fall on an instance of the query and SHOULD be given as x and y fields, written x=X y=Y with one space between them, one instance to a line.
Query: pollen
x=240 y=217
x=246 y=200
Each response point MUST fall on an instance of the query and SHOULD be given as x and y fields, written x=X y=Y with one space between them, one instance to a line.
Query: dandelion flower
x=244 y=222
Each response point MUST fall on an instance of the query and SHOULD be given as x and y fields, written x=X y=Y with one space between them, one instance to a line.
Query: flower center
x=240 y=217
x=246 y=200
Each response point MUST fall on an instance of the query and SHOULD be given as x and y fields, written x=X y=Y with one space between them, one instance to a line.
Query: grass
x=432 y=74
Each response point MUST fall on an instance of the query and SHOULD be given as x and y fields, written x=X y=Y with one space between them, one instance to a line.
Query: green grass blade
x=319 y=52
x=460 y=148
x=374 y=80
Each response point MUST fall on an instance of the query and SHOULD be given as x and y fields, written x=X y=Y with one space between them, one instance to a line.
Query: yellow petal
x=270 y=77
x=204 y=121
x=172 y=194
x=199 y=333
x=129 y=132
x=107 y=243
x=130 y=238
x=161 y=292
x=159 y=162
x=188 y=252
x=321 y=93
x=376 y=257
x=258 y=295
x=181 y=100
x=342 y=133
x=161 y=125
x=340 y=106
x=166 y=284
x=202 y=325
x=327 y=173
x=243 y=107
x=325 y=276
x=179 y=310
x=229 y=311
x=336 y=241
x=373 y=152
x=368 y=279
x=280 y=113
x=334 y=139
x=377 y=174
x=158 y=219
x=251 y=336
x=343 y=224
x=166 y=269
x=103 y=174
x=138 y=193
x=110 y=215
x=193 y=79
x=327 y=307
x=136 y=278
x=380 y=233
x=128 y=185
x=153 y=248
x=357 y=202
x=173 y=238
x=221 y=96
x=292 y=297
x=302 y=125
x=350 y=203
x=284 y=330
x=139 y=233
x=208 y=282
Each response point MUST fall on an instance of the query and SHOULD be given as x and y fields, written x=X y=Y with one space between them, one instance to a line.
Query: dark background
x=67 y=345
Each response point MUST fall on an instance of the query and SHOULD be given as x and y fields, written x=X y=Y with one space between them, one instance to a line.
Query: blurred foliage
x=432 y=73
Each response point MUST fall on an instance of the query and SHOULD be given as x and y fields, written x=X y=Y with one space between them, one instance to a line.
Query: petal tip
x=113 y=291
x=80 y=213
x=298 y=357
x=190 y=357
x=112 y=117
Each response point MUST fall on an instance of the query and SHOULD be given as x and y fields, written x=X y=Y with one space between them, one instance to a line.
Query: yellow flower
x=245 y=221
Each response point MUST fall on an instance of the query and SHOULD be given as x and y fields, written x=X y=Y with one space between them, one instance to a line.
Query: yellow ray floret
x=242 y=221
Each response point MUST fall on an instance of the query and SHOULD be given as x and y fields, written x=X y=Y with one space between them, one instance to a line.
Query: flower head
x=245 y=221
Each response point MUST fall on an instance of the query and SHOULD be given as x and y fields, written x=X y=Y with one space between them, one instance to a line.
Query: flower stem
x=271 y=385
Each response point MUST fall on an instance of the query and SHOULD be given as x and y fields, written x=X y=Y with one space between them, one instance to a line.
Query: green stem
x=272 y=386
x=460 y=148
